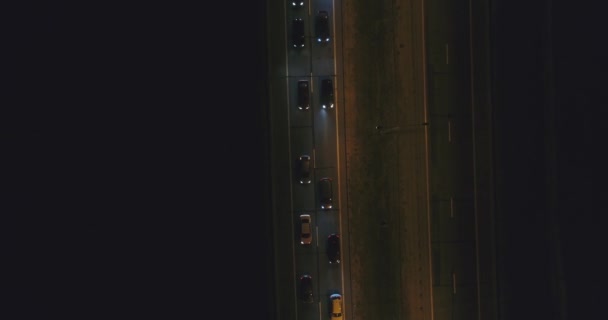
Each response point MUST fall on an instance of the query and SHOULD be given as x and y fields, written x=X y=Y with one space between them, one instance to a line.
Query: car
x=303 y=95
x=305 y=229
x=325 y=193
x=336 y=306
x=333 y=248
x=305 y=293
x=327 y=94
x=303 y=169
x=322 y=27
x=297 y=30
x=297 y=4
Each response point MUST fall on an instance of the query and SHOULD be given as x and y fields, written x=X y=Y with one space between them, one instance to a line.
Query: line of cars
x=304 y=165
x=298 y=28
x=326 y=97
x=325 y=185
x=333 y=240
x=322 y=35
x=305 y=293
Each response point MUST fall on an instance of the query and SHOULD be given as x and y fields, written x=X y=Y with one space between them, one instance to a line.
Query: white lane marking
x=317 y=232
x=451 y=207
x=450 y=130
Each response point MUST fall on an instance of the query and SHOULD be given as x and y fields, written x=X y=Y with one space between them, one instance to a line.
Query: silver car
x=305 y=229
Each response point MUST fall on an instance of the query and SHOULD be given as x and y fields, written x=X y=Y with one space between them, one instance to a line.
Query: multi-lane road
x=312 y=132
x=406 y=147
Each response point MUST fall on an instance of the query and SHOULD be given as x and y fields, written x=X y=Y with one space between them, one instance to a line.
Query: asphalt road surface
x=407 y=163
x=297 y=132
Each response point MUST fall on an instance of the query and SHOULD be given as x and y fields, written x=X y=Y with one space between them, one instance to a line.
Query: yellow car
x=336 y=306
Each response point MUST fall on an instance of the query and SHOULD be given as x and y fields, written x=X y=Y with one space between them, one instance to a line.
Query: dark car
x=303 y=169
x=322 y=27
x=327 y=94
x=297 y=30
x=303 y=95
x=325 y=193
x=305 y=293
x=333 y=248
x=297 y=4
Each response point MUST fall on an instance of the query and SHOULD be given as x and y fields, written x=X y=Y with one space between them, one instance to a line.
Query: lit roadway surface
x=414 y=173
x=295 y=132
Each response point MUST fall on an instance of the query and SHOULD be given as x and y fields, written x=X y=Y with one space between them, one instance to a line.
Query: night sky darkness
x=580 y=81
x=528 y=115
x=137 y=176
x=136 y=170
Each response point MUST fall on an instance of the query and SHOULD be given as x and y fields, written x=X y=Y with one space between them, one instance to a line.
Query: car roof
x=325 y=182
x=306 y=227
